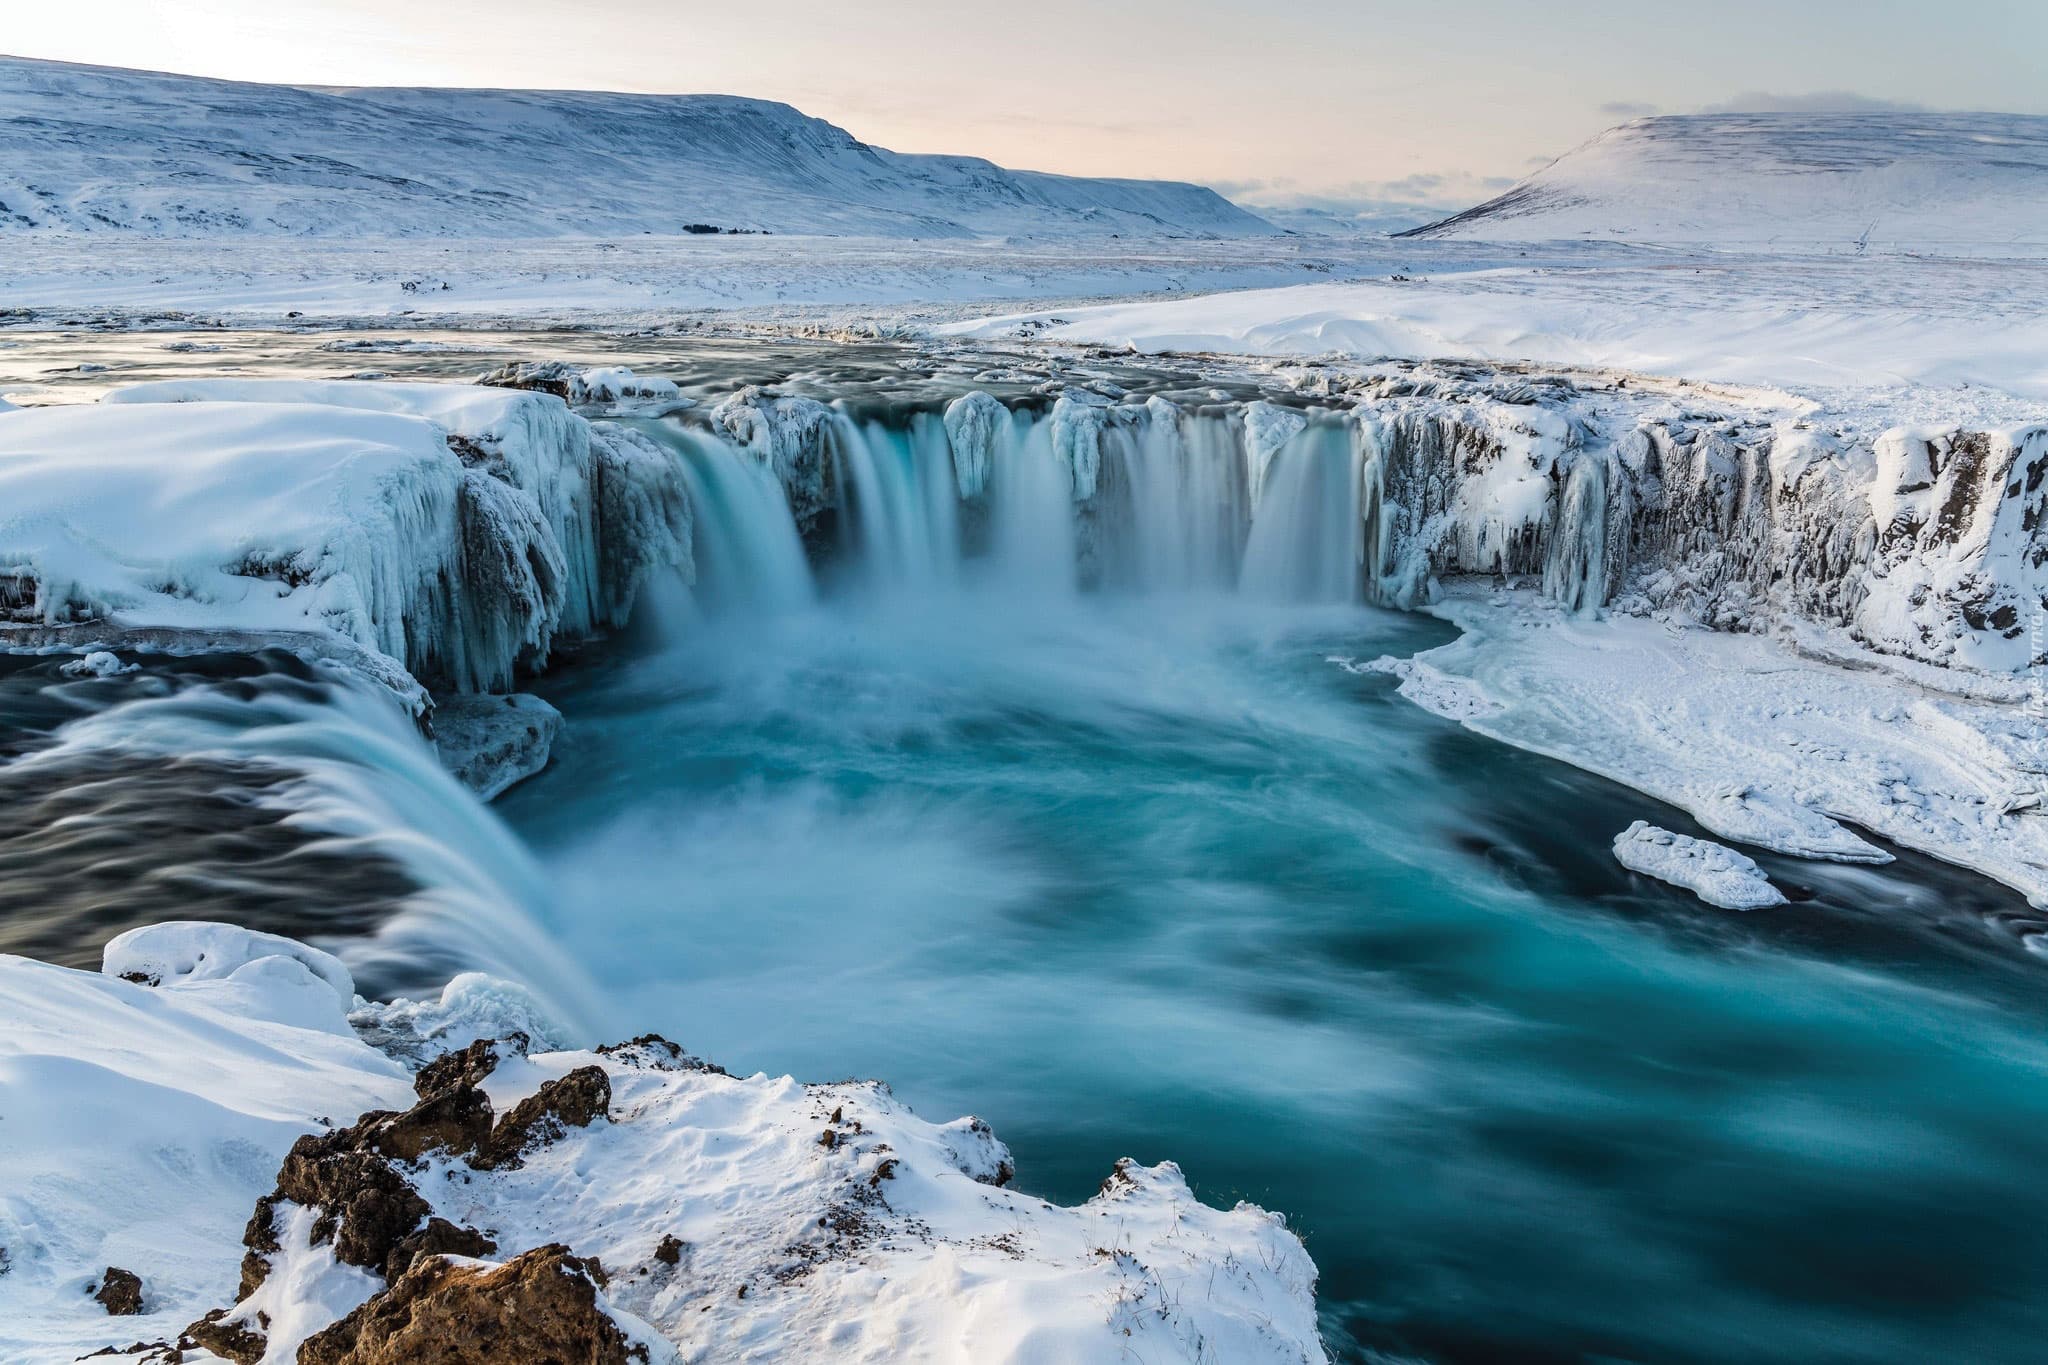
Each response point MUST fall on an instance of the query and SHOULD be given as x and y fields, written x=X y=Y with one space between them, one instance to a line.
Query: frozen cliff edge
x=633 y=1199
x=430 y=535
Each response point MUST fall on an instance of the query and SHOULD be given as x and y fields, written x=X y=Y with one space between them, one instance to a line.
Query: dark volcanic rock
x=366 y=1206
x=540 y=1308
x=119 y=1292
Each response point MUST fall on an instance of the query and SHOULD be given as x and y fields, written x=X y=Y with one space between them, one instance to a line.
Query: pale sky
x=1275 y=102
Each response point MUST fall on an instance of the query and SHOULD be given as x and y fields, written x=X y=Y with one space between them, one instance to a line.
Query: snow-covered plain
x=182 y=1074
x=1849 y=331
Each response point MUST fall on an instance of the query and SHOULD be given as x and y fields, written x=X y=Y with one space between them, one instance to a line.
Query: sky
x=1309 y=103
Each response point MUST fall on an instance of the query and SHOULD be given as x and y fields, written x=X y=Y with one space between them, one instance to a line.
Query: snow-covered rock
x=455 y=530
x=737 y=1218
x=491 y=742
x=1714 y=872
x=117 y=152
x=1797 y=181
x=580 y=387
x=142 y=1123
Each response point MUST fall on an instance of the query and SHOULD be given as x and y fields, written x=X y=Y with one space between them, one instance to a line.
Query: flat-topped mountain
x=95 y=149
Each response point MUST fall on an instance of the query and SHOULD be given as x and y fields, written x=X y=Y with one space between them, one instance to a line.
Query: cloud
x=1628 y=109
x=1815 y=102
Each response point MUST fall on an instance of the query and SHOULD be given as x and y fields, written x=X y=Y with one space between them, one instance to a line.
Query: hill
x=95 y=149
x=1977 y=183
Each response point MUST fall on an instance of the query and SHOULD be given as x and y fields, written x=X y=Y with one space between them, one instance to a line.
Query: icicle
x=1078 y=421
x=974 y=423
x=1267 y=428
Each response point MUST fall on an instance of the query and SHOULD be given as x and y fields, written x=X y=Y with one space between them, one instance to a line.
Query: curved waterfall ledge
x=454 y=534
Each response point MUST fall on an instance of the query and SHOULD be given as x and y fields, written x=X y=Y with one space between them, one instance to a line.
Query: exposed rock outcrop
x=119 y=1292
x=542 y=1307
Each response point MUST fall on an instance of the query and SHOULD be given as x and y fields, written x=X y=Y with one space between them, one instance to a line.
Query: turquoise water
x=1152 y=877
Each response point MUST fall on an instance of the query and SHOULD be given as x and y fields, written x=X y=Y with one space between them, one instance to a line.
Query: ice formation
x=455 y=530
x=741 y=1218
x=1715 y=873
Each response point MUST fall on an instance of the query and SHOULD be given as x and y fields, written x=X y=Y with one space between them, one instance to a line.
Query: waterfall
x=1575 y=573
x=335 y=761
x=748 y=554
x=1033 y=542
x=1307 y=540
x=1259 y=498
x=898 y=507
x=1180 y=514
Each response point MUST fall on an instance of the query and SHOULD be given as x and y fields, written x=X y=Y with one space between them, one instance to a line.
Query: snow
x=1714 y=872
x=1758 y=739
x=890 y=1243
x=1959 y=183
x=454 y=529
x=1818 y=326
x=264 y=517
x=106 y=152
x=142 y=1123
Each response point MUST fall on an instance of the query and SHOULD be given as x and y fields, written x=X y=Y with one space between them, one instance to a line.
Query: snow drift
x=455 y=530
x=99 y=150
x=736 y=1218
x=1972 y=183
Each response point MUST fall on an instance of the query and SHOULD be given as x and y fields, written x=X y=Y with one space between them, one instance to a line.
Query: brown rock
x=119 y=1292
x=453 y=1070
x=670 y=1252
x=366 y=1207
x=438 y=1237
x=234 y=1341
x=456 y=1120
x=571 y=1101
x=540 y=1308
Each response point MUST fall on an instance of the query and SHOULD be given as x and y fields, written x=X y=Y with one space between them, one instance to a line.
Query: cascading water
x=749 y=557
x=1136 y=871
x=1307 y=541
x=281 y=797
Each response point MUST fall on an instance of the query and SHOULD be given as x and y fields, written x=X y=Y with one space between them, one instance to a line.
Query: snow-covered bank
x=1759 y=742
x=719 y=1216
x=453 y=530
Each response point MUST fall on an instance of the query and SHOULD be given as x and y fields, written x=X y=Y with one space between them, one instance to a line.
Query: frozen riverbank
x=1759 y=741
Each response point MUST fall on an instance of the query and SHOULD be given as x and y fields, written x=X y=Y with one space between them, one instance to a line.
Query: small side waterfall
x=1575 y=573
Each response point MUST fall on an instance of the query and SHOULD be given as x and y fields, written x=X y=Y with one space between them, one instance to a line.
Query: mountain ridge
x=106 y=149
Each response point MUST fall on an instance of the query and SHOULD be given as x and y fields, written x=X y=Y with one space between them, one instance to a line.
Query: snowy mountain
x=1789 y=181
x=95 y=149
